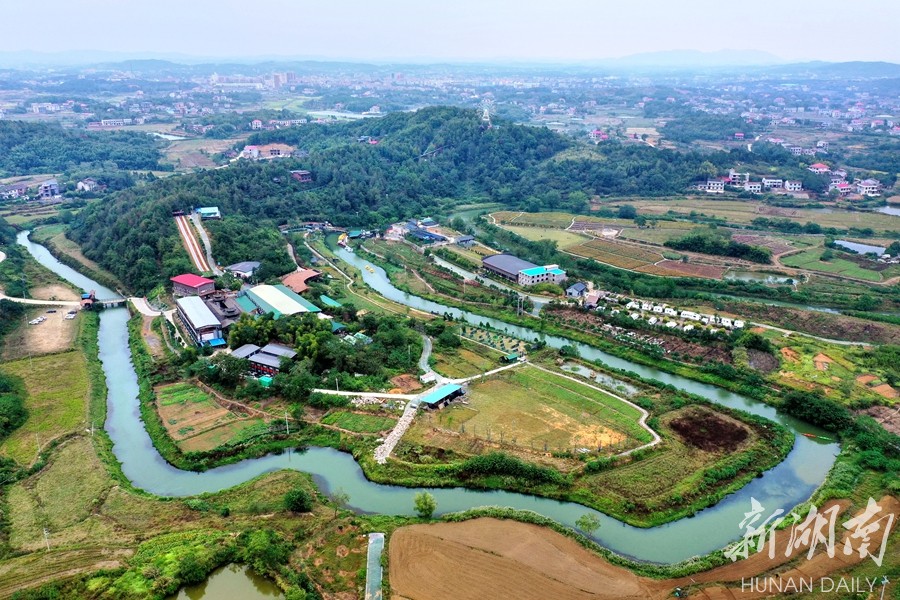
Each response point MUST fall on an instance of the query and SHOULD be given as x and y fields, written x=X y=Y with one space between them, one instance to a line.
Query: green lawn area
x=180 y=393
x=467 y=360
x=57 y=386
x=563 y=239
x=533 y=410
x=809 y=259
x=358 y=422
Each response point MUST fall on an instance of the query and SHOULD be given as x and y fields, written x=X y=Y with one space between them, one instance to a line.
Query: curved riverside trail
x=784 y=486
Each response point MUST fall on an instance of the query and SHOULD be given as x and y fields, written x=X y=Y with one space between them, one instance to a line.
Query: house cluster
x=521 y=271
x=821 y=147
x=267 y=151
x=45 y=190
x=424 y=230
x=272 y=124
x=659 y=314
x=742 y=180
x=864 y=187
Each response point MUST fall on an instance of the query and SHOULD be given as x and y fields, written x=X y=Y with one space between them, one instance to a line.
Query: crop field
x=553 y=220
x=359 y=422
x=195 y=421
x=617 y=255
x=689 y=269
x=468 y=360
x=659 y=234
x=810 y=260
x=57 y=386
x=532 y=411
x=497 y=341
x=743 y=212
x=776 y=245
x=564 y=239
x=836 y=371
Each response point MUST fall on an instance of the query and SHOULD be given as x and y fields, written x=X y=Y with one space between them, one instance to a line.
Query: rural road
x=815 y=337
x=191 y=245
x=32 y=301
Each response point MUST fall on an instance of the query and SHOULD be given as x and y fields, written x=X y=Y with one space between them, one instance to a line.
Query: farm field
x=810 y=260
x=617 y=255
x=532 y=411
x=359 y=422
x=193 y=153
x=836 y=371
x=468 y=360
x=502 y=343
x=743 y=212
x=57 y=386
x=564 y=239
x=195 y=421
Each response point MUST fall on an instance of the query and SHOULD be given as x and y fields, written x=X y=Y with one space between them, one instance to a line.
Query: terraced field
x=617 y=255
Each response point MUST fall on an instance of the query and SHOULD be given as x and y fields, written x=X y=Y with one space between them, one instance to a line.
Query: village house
x=793 y=186
x=868 y=187
x=770 y=183
x=13 y=191
x=738 y=179
x=301 y=176
x=842 y=187
x=818 y=168
x=87 y=185
x=754 y=187
x=49 y=189
x=576 y=290
x=545 y=274
x=715 y=186
x=244 y=269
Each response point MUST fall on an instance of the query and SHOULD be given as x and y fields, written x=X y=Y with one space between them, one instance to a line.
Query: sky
x=455 y=30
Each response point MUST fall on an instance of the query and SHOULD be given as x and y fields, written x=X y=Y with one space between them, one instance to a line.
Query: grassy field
x=810 y=260
x=564 y=239
x=57 y=386
x=467 y=360
x=359 y=422
x=533 y=411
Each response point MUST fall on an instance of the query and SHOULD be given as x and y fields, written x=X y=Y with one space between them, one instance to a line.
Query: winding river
x=784 y=486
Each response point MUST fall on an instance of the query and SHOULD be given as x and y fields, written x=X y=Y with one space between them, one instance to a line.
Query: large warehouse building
x=200 y=322
x=521 y=271
x=275 y=299
x=506 y=265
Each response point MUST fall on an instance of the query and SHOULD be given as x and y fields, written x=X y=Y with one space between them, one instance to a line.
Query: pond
x=231 y=582
x=860 y=248
x=889 y=210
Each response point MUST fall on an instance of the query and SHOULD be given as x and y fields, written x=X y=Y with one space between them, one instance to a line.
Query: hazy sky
x=561 y=30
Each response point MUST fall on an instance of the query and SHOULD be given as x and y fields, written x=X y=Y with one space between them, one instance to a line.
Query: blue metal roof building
x=441 y=396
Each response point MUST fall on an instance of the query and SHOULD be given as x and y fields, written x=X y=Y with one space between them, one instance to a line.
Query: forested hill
x=133 y=234
x=47 y=147
x=423 y=162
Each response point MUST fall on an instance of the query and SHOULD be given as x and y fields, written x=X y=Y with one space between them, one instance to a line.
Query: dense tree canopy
x=43 y=147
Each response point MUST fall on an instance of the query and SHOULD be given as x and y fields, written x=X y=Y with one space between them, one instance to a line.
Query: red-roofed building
x=189 y=284
x=296 y=281
x=818 y=168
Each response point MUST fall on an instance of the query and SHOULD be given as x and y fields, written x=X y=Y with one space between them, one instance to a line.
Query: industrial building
x=265 y=360
x=521 y=271
x=275 y=299
x=442 y=396
x=202 y=325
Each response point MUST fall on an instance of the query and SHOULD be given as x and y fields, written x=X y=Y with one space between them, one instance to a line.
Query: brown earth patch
x=822 y=361
x=889 y=417
x=709 y=431
x=692 y=269
x=406 y=383
x=885 y=390
x=54 y=334
x=790 y=355
x=762 y=361
x=54 y=291
x=489 y=558
x=866 y=379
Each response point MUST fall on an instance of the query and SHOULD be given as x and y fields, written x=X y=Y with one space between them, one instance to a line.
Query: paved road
x=144 y=308
x=191 y=245
x=72 y=303
x=207 y=245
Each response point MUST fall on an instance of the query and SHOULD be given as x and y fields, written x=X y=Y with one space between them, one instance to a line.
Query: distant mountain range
x=756 y=61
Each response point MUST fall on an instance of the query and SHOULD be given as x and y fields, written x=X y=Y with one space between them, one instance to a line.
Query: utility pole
x=286 y=424
x=47 y=537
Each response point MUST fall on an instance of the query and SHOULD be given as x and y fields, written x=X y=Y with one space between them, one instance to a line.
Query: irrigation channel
x=784 y=486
